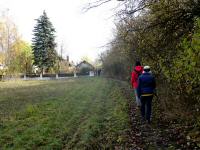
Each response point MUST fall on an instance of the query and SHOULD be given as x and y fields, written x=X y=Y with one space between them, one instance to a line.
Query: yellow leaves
x=2 y=58
x=21 y=54
x=20 y=47
x=8 y=36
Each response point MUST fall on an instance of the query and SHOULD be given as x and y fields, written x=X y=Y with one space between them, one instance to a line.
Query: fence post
x=75 y=75
x=41 y=76
x=24 y=76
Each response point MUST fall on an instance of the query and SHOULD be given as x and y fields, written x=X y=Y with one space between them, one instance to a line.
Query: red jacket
x=134 y=76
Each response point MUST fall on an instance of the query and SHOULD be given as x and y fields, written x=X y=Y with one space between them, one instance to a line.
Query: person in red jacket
x=137 y=71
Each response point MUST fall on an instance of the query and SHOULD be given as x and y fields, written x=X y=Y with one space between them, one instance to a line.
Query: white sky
x=81 y=33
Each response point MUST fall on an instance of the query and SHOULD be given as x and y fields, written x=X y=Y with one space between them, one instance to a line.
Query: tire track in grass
x=97 y=130
x=94 y=95
x=88 y=116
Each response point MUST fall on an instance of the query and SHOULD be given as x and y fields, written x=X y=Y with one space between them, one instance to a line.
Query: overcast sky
x=81 y=33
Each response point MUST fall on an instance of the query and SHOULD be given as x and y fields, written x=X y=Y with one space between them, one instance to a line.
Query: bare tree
x=8 y=35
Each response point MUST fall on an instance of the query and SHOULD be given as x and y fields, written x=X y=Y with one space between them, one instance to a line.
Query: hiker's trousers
x=146 y=107
x=138 y=103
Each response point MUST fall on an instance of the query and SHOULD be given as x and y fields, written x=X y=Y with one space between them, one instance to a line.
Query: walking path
x=160 y=135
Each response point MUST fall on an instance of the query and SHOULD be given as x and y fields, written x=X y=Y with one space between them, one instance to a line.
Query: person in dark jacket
x=146 y=89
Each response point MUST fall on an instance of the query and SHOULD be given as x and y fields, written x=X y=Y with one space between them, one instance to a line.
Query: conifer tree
x=43 y=43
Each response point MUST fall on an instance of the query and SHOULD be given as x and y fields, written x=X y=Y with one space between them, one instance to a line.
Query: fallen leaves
x=162 y=134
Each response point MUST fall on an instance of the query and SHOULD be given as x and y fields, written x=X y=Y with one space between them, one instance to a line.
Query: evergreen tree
x=43 y=43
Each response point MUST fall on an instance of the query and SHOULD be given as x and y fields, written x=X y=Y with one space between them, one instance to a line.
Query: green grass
x=85 y=113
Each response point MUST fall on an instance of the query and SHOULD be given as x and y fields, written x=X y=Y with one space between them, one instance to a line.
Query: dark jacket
x=146 y=84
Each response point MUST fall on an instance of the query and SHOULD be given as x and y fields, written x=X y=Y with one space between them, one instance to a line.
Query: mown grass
x=85 y=113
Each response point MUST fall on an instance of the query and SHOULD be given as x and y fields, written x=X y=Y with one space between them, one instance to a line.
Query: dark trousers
x=146 y=107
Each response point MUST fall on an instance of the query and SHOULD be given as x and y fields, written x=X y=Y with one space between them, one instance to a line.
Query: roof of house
x=85 y=62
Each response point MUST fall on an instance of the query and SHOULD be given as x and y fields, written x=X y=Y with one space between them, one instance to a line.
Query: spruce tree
x=43 y=43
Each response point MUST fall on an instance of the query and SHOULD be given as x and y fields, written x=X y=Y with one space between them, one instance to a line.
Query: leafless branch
x=95 y=4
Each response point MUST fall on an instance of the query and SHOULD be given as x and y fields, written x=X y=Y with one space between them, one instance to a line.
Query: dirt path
x=149 y=136
x=144 y=136
x=159 y=135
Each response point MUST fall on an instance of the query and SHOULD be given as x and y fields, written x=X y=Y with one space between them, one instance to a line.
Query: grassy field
x=83 y=113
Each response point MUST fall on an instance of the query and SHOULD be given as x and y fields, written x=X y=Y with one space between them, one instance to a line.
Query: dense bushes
x=166 y=36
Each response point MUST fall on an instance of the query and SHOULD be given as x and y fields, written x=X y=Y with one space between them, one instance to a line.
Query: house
x=65 y=66
x=85 y=68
